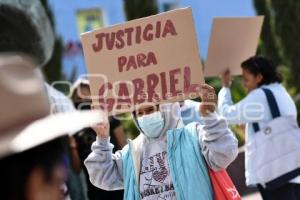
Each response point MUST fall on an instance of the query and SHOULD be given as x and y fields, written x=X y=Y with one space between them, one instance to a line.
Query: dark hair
x=79 y=102
x=16 y=169
x=264 y=66
x=85 y=138
x=113 y=124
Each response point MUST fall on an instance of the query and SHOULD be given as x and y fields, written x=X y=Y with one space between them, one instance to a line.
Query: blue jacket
x=188 y=168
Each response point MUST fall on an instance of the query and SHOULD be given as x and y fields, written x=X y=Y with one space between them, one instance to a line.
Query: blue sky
x=203 y=11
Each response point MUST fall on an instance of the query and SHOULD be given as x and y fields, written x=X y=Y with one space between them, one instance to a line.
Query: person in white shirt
x=258 y=72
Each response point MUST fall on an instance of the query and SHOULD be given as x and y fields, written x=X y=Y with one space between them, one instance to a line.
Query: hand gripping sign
x=153 y=59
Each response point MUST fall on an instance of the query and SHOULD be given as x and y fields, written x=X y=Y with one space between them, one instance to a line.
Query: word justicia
x=133 y=35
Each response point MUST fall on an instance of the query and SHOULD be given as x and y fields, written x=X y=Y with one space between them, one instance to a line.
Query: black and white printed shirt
x=155 y=179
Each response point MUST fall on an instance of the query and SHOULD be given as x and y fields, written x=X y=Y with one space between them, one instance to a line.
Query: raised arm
x=218 y=144
x=248 y=110
x=104 y=167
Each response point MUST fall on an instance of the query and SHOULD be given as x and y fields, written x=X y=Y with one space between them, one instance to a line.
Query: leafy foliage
x=281 y=39
x=140 y=8
x=53 y=70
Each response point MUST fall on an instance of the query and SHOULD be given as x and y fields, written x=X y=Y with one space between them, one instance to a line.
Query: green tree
x=140 y=8
x=53 y=69
x=281 y=38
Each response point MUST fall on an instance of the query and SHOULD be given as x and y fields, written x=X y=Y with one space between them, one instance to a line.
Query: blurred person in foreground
x=32 y=154
x=26 y=29
x=81 y=97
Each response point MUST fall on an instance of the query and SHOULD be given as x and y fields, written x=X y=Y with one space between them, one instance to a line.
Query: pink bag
x=222 y=185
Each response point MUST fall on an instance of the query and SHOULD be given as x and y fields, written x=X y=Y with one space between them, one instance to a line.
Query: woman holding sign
x=167 y=160
x=272 y=141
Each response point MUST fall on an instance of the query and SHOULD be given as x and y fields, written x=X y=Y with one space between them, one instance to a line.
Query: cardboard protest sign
x=232 y=41
x=152 y=59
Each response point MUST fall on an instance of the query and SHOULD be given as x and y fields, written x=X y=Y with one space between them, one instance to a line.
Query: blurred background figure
x=76 y=183
x=81 y=97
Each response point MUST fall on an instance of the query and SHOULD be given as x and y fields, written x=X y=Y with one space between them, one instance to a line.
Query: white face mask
x=151 y=124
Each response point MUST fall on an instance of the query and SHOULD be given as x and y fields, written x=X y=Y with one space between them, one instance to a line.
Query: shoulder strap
x=255 y=127
x=272 y=105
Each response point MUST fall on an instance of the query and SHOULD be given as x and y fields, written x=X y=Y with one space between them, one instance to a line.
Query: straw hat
x=24 y=120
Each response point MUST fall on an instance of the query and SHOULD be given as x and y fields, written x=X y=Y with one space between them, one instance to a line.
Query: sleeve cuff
x=224 y=90
x=210 y=119
x=103 y=141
